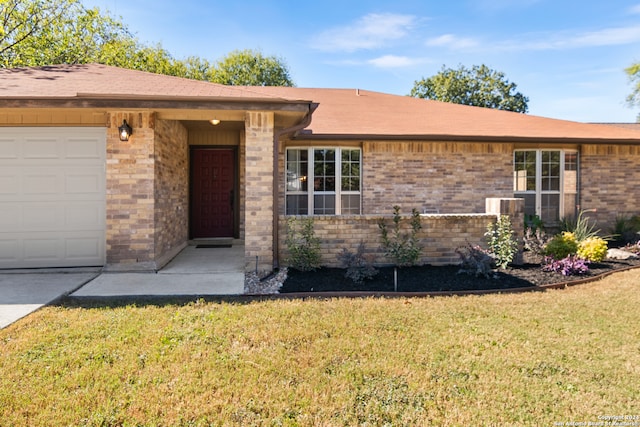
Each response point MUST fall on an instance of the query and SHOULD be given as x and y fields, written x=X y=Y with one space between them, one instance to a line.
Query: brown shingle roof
x=345 y=113
x=96 y=80
x=352 y=112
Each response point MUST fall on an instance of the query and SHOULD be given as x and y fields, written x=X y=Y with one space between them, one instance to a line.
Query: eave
x=302 y=136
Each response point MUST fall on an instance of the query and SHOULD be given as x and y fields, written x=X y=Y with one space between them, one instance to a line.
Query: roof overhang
x=307 y=136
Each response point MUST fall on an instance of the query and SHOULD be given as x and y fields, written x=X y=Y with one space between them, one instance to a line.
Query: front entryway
x=212 y=192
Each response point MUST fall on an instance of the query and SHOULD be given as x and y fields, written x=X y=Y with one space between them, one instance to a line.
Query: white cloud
x=453 y=42
x=566 y=40
x=369 y=32
x=394 y=61
x=635 y=10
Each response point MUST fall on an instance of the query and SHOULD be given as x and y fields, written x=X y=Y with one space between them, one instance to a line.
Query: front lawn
x=540 y=358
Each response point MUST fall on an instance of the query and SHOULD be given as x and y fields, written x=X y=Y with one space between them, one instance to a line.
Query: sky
x=568 y=57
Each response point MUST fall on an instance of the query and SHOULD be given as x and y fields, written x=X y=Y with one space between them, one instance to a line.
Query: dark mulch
x=430 y=278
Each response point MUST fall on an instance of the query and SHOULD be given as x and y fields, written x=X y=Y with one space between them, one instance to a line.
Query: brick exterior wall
x=609 y=182
x=258 y=198
x=440 y=177
x=147 y=192
x=439 y=237
x=171 y=190
x=130 y=192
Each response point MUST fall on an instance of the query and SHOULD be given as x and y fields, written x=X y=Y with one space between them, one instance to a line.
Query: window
x=547 y=180
x=334 y=174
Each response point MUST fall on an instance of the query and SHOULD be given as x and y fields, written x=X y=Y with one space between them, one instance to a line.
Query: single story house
x=121 y=168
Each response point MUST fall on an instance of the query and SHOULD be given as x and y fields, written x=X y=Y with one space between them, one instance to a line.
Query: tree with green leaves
x=633 y=72
x=479 y=86
x=48 y=32
x=251 y=68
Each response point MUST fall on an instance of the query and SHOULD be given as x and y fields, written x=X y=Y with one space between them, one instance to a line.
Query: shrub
x=502 y=245
x=562 y=245
x=534 y=222
x=535 y=240
x=581 y=227
x=568 y=266
x=302 y=244
x=359 y=268
x=403 y=248
x=626 y=228
x=593 y=249
x=475 y=261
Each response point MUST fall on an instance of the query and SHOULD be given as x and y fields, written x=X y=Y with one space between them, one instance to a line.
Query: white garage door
x=52 y=197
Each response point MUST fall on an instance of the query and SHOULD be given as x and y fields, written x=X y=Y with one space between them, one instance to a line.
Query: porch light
x=125 y=131
x=214 y=122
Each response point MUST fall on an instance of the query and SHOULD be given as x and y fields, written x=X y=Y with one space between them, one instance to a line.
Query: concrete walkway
x=194 y=272
x=25 y=291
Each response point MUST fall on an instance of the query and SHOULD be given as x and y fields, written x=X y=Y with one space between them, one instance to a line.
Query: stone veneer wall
x=441 y=177
x=609 y=182
x=130 y=192
x=171 y=190
x=258 y=199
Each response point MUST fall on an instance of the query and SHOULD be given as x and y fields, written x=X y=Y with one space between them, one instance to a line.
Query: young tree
x=633 y=72
x=251 y=68
x=479 y=86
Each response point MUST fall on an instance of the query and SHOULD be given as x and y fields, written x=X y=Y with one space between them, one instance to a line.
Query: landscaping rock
x=253 y=285
x=620 y=254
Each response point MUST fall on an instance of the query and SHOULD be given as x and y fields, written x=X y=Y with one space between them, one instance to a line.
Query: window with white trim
x=323 y=181
x=547 y=180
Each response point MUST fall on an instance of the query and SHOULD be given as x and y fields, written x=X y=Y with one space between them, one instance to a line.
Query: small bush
x=359 y=268
x=626 y=229
x=569 y=266
x=561 y=246
x=302 y=244
x=593 y=249
x=534 y=222
x=581 y=227
x=535 y=240
x=403 y=248
x=475 y=261
x=502 y=245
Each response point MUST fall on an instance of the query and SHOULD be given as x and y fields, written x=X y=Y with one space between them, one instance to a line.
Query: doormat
x=212 y=246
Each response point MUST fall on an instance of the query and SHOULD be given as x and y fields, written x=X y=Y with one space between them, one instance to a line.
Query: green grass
x=525 y=359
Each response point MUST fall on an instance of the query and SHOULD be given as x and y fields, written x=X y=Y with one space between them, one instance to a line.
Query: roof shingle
x=349 y=113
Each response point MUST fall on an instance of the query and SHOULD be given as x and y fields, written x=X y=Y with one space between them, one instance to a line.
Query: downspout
x=306 y=120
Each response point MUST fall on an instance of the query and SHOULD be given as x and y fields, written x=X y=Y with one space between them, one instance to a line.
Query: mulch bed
x=430 y=278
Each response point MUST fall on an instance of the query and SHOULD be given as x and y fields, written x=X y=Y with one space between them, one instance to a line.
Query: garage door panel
x=83 y=148
x=10 y=249
x=9 y=148
x=52 y=197
x=10 y=217
x=41 y=183
x=9 y=182
x=41 y=148
x=84 y=181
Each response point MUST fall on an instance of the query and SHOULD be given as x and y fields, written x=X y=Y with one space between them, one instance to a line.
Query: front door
x=212 y=192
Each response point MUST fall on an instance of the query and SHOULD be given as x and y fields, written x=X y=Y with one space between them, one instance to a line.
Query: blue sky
x=567 y=56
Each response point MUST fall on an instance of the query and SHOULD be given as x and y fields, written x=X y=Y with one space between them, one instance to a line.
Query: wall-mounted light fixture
x=214 y=122
x=125 y=131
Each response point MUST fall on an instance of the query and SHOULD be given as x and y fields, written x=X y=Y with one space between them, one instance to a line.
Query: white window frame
x=311 y=192
x=539 y=191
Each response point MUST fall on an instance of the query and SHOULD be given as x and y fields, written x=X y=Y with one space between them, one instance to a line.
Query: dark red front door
x=212 y=192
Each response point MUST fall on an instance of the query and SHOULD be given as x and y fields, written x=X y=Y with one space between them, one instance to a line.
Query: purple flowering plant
x=569 y=266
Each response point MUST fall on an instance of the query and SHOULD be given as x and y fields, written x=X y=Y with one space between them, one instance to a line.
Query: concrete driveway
x=22 y=292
